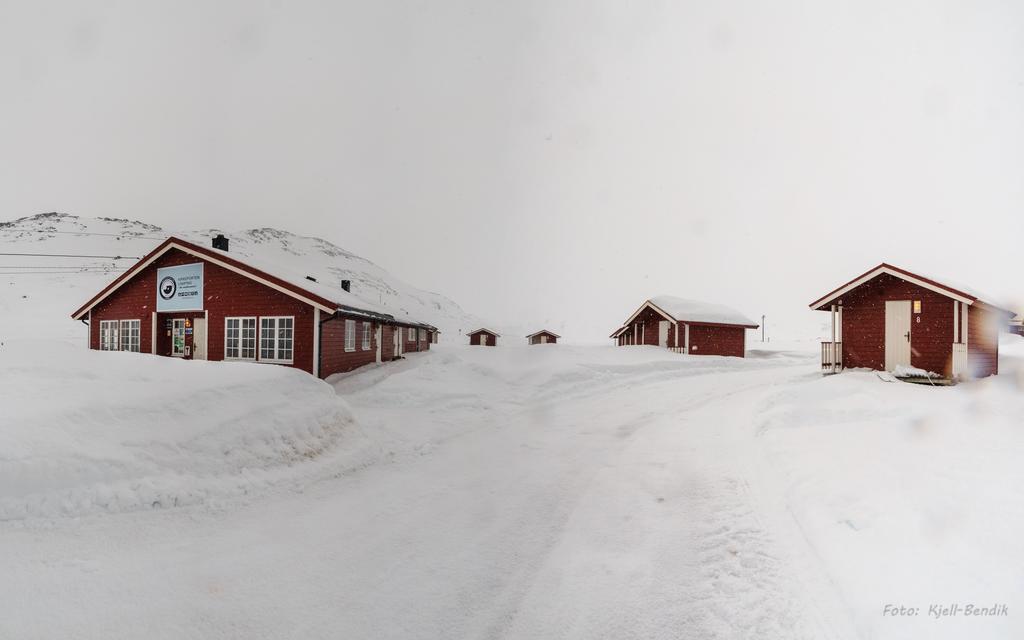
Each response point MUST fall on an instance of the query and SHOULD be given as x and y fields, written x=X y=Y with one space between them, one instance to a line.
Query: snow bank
x=907 y=495
x=86 y=430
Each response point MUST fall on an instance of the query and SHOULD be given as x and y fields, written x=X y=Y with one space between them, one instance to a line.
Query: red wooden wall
x=931 y=331
x=711 y=340
x=226 y=294
x=492 y=340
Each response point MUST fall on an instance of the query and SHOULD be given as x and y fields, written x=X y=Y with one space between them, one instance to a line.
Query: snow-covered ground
x=553 y=491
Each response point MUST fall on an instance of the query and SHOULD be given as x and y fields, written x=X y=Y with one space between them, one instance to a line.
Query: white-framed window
x=240 y=338
x=130 y=330
x=419 y=335
x=108 y=335
x=350 y=335
x=277 y=339
x=178 y=337
x=367 y=328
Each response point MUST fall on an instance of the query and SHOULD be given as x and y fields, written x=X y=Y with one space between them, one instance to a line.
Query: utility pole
x=762 y=327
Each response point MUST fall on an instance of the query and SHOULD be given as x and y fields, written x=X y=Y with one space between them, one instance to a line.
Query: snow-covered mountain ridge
x=39 y=291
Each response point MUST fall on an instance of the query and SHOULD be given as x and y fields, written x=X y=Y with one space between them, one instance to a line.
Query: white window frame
x=110 y=339
x=350 y=335
x=241 y=329
x=276 y=340
x=367 y=328
x=132 y=330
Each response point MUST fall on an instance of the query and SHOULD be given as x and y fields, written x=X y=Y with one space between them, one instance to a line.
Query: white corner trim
x=316 y=341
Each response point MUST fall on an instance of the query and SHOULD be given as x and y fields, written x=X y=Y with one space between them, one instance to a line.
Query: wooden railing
x=677 y=349
x=831 y=356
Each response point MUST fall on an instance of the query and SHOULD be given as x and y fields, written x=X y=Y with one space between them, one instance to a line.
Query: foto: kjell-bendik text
x=951 y=610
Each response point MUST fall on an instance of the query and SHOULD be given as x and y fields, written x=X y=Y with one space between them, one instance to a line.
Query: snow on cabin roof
x=550 y=333
x=320 y=286
x=943 y=286
x=337 y=299
x=493 y=333
x=683 y=310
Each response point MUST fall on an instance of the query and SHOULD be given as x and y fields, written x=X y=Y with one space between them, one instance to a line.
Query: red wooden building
x=543 y=337
x=889 y=318
x=687 y=326
x=484 y=337
x=187 y=301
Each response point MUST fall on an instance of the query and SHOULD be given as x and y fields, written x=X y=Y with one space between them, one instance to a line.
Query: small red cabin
x=1017 y=327
x=542 y=337
x=483 y=337
x=890 y=319
x=196 y=303
x=686 y=326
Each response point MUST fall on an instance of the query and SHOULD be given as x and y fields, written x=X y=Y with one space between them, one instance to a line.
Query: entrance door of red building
x=897 y=333
x=199 y=339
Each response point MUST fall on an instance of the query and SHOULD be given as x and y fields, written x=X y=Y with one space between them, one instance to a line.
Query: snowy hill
x=39 y=292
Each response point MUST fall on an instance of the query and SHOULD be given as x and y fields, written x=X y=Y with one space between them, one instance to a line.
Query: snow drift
x=88 y=430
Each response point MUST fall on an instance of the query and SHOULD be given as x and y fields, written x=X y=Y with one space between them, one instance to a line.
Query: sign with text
x=180 y=288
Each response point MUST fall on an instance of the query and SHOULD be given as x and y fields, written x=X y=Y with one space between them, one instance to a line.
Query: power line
x=50 y=273
x=69 y=255
x=93 y=233
x=57 y=266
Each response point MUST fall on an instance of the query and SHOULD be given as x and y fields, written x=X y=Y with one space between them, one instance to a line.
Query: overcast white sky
x=548 y=161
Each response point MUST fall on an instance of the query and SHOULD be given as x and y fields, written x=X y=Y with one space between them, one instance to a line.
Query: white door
x=897 y=333
x=543 y=339
x=376 y=336
x=663 y=333
x=199 y=339
x=396 y=336
x=483 y=339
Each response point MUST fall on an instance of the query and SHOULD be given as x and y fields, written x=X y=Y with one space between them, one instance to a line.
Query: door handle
x=908 y=336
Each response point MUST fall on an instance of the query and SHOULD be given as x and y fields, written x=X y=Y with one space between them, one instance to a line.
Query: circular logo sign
x=167 y=288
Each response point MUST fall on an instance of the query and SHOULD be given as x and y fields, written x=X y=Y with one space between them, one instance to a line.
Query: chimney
x=346 y=285
x=220 y=242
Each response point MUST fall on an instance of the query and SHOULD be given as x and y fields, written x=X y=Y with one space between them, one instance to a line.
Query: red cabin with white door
x=891 y=319
x=543 y=337
x=196 y=303
x=483 y=337
x=686 y=326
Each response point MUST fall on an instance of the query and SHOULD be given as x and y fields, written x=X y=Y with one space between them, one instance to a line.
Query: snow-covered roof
x=322 y=286
x=320 y=293
x=684 y=310
x=550 y=333
x=493 y=333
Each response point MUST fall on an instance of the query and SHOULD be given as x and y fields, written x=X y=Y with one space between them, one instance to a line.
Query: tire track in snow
x=737 y=583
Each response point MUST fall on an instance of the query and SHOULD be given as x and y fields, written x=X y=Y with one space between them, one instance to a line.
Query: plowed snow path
x=524 y=494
